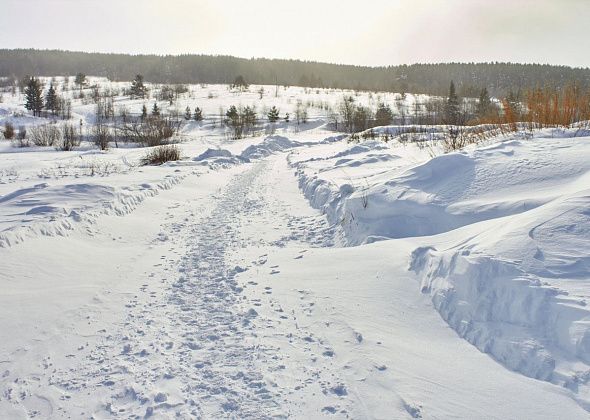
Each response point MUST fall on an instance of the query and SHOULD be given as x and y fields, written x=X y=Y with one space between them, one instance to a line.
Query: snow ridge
x=516 y=212
x=48 y=219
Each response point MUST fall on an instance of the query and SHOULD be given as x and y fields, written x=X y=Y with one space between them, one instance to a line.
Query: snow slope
x=295 y=275
x=505 y=254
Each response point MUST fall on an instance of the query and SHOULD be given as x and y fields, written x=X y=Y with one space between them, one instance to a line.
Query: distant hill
x=434 y=79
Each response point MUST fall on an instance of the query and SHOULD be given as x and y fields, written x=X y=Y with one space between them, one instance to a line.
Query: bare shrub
x=102 y=135
x=45 y=135
x=8 y=131
x=21 y=138
x=22 y=132
x=162 y=154
x=69 y=139
x=152 y=131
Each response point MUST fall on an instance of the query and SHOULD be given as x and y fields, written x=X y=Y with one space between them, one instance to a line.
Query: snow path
x=237 y=316
x=191 y=349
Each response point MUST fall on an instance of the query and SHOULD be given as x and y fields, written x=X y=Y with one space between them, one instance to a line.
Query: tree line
x=433 y=79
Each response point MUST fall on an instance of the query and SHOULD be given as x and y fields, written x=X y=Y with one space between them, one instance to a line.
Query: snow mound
x=271 y=144
x=361 y=148
x=223 y=158
x=219 y=158
x=448 y=191
x=49 y=210
x=518 y=291
x=505 y=245
x=370 y=158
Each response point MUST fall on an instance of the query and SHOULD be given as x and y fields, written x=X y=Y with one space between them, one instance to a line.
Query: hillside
x=433 y=79
x=294 y=272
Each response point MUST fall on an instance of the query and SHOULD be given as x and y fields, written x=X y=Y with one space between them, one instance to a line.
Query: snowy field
x=294 y=274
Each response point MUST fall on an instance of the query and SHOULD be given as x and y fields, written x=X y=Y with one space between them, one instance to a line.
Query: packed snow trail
x=190 y=350
x=199 y=329
x=238 y=317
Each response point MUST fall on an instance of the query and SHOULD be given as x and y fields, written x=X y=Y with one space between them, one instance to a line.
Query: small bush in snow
x=8 y=131
x=45 y=135
x=152 y=131
x=102 y=135
x=69 y=138
x=21 y=138
x=161 y=154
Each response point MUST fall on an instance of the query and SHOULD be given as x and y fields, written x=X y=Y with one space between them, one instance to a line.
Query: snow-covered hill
x=295 y=275
x=503 y=233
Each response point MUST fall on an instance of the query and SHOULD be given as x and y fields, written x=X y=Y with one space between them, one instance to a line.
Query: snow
x=295 y=274
x=511 y=274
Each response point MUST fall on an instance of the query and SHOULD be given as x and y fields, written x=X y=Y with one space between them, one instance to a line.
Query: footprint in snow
x=329 y=409
x=339 y=390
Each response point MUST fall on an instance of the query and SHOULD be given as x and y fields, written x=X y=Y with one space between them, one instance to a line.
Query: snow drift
x=506 y=243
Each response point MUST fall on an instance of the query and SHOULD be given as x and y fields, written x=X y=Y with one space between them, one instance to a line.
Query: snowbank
x=271 y=144
x=53 y=210
x=441 y=194
x=518 y=290
x=215 y=158
x=505 y=234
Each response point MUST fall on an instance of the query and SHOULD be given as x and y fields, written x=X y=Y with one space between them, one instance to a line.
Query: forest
x=498 y=78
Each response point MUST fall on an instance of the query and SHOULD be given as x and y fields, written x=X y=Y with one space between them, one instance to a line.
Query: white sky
x=368 y=32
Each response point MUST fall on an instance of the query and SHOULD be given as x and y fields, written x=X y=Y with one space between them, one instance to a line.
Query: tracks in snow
x=191 y=348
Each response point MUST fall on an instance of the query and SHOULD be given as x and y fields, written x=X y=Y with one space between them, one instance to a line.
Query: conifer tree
x=483 y=106
x=198 y=116
x=273 y=114
x=33 y=95
x=138 y=89
x=187 y=113
x=452 y=109
x=240 y=83
x=143 y=112
x=384 y=115
x=249 y=117
x=513 y=101
x=51 y=100
x=235 y=121
x=80 y=81
x=155 y=110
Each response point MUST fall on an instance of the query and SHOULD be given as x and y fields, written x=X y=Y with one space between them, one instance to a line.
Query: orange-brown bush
x=542 y=107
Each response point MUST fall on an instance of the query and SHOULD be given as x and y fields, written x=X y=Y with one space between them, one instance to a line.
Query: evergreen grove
x=469 y=78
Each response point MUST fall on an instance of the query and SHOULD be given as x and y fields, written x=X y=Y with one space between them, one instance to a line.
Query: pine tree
x=198 y=116
x=513 y=101
x=143 y=112
x=187 y=113
x=51 y=100
x=273 y=114
x=155 y=110
x=384 y=115
x=232 y=113
x=80 y=81
x=483 y=106
x=138 y=89
x=452 y=109
x=249 y=117
x=235 y=121
x=34 y=96
x=240 y=83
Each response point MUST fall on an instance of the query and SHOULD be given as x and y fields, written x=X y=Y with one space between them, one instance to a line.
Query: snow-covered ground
x=295 y=275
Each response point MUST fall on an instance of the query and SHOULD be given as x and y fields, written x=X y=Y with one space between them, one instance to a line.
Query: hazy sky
x=369 y=32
